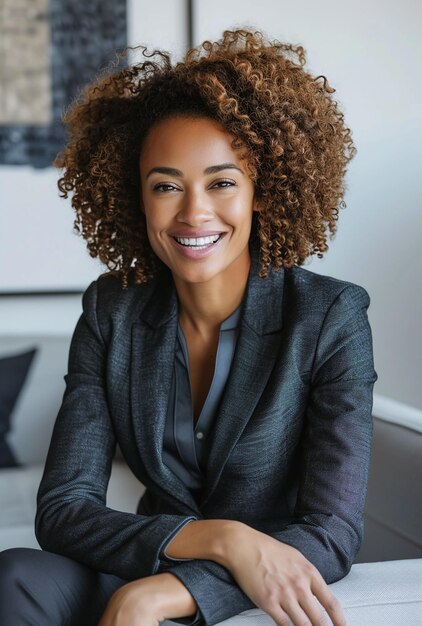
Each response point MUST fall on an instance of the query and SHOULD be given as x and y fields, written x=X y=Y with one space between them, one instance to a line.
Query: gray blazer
x=290 y=449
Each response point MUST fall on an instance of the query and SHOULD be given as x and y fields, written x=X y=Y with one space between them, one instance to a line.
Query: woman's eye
x=164 y=187
x=222 y=184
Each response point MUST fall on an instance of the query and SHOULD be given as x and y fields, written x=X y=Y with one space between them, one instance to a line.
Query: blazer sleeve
x=335 y=455
x=337 y=443
x=72 y=518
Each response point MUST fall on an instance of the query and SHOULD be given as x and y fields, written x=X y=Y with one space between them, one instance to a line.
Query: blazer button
x=199 y=435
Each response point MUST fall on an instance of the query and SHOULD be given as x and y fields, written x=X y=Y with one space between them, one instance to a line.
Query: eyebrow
x=213 y=169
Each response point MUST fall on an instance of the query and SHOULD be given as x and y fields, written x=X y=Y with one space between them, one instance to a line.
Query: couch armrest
x=393 y=510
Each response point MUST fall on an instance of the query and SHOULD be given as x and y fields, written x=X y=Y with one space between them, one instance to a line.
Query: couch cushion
x=39 y=402
x=18 y=490
x=393 y=509
x=14 y=368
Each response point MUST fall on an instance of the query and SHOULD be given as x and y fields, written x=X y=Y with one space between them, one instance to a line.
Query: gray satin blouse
x=185 y=445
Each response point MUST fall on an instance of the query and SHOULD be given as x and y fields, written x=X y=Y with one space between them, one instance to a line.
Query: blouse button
x=199 y=435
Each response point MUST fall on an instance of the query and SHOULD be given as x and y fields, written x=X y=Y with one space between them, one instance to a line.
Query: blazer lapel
x=153 y=347
x=255 y=355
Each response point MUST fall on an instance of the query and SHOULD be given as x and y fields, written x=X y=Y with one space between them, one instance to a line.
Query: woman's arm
x=274 y=575
x=71 y=517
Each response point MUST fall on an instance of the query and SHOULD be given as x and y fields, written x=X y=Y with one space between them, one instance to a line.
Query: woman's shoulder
x=108 y=298
x=316 y=288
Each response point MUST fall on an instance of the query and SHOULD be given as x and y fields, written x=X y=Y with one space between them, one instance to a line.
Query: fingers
x=302 y=607
x=313 y=610
x=306 y=613
x=281 y=618
x=328 y=600
x=293 y=613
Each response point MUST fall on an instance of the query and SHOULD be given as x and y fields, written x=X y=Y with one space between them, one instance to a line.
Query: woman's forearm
x=205 y=539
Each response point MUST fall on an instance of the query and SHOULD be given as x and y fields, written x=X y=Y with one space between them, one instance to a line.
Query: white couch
x=385 y=583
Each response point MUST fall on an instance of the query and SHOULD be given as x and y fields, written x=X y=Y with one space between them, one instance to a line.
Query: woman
x=237 y=383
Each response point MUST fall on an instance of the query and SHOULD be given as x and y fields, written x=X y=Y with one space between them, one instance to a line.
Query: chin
x=196 y=279
x=196 y=275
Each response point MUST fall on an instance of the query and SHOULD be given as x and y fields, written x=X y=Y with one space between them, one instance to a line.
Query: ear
x=256 y=207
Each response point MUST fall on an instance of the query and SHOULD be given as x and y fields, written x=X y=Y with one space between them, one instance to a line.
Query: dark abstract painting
x=49 y=50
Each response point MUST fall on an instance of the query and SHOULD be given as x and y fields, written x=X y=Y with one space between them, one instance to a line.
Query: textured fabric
x=13 y=372
x=290 y=449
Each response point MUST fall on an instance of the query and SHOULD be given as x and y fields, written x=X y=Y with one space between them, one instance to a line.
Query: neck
x=203 y=306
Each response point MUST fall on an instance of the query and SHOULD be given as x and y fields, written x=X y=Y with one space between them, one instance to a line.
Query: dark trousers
x=39 y=588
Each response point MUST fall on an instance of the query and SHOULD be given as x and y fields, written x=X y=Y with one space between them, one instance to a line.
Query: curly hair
x=293 y=134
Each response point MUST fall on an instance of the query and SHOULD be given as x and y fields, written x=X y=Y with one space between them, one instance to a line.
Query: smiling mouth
x=198 y=243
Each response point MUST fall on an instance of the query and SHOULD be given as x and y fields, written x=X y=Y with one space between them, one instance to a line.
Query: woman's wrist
x=205 y=539
x=228 y=542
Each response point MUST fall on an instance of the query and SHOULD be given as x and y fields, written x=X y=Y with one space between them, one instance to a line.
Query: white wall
x=369 y=52
x=38 y=250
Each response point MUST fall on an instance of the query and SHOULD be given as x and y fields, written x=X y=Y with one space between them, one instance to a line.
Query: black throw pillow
x=13 y=372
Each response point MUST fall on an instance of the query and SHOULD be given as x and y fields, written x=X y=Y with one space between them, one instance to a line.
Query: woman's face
x=197 y=198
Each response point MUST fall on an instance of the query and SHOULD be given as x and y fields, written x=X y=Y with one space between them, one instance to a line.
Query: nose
x=194 y=209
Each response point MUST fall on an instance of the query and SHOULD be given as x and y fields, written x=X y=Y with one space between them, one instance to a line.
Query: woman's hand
x=279 y=579
x=148 y=601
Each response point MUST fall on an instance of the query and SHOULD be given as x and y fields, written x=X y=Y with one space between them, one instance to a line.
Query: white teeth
x=197 y=241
